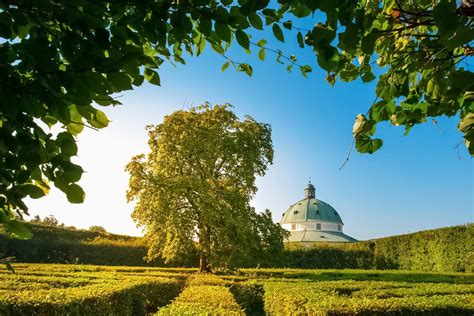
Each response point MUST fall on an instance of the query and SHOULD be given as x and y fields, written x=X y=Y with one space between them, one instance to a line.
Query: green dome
x=310 y=210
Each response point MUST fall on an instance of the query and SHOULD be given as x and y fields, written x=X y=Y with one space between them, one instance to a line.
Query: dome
x=311 y=210
x=312 y=220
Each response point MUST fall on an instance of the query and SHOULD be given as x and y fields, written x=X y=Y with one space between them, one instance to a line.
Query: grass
x=54 y=289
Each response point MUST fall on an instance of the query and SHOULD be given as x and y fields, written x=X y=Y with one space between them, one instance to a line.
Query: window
x=339 y=227
x=293 y=226
x=295 y=212
x=318 y=226
x=317 y=212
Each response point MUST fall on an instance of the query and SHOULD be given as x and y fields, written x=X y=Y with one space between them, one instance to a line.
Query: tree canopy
x=193 y=189
x=61 y=60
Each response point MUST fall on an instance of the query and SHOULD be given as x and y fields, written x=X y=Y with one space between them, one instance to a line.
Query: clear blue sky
x=413 y=183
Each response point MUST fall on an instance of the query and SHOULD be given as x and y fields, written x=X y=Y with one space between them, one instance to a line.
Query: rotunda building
x=311 y=220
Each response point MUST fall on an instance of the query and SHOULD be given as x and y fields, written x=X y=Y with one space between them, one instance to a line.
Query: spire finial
x=309 y=191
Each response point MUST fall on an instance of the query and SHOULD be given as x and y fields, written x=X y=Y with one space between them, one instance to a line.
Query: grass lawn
x=54 y=289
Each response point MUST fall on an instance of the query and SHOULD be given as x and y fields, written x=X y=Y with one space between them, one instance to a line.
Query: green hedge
x=204 y=295
x=64 y=245
x=49 y=289
x=448 y=249
x=350 y=297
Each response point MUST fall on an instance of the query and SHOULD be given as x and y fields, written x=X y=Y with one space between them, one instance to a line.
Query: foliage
x=348 y=297
x=194 y=188
x=61 y=60
x=444 y=250
x=201 y=299
x=417 y=48
x=98 y=229
x=85 y=290
x=449 y=249
x=249 y=295
x=47 y=220
x=55 y=289
x=331 y=256
x=64 y=245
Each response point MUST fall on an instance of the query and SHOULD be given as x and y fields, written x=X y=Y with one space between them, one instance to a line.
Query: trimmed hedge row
x=349 y=297
x=448 y=249
x=77 y=290
x=64 y=245
x=200 y=298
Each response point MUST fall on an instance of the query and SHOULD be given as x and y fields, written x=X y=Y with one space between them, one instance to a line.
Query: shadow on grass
x=249 y=296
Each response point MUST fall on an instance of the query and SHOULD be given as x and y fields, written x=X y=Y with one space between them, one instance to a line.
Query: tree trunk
x=204 y=266
x=205 y=249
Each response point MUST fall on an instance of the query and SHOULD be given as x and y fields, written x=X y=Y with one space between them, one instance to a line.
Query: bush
x=65 y=245
x=448 y=249
x=199 y=299
x=77 y=290
x=348 y=297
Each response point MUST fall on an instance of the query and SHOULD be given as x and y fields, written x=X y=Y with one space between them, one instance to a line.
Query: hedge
x=448 y=249
x=349 y=297
x=79 y=290
x=200 y=298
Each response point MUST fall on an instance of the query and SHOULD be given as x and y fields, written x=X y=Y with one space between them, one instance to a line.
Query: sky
x=412 y=183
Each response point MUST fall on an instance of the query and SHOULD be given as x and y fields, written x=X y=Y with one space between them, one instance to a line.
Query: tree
x=98 y=229
x=194 y=187
x=61 y=60
x=50 y=220
x=418 y=47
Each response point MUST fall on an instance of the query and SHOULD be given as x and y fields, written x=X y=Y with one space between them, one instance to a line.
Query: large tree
x=194 y=187
x=61 y=60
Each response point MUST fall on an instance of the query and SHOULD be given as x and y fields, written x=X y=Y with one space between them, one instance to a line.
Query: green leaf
x=225 y=66
x=445 y=17
x=278 y=33
x=152 y=77
x=120 y=81
x=99 y=119
x=72 y=173
x=305 y=70
x=19 y=230
x=222 y=31
x=299 y=38
x=328 y=58
x=67 y=143
x=75 y=194
x=365 y=144
x=261 y=54
x=33 y=191
x=262 y=43
x=246 y=68
x=288 y=25
x=382 y=111
x=255 y=21
x=242 y=39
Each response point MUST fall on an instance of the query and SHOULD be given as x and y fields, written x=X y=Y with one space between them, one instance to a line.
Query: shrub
x=199 y=299
x=449 y=249
x=346 y=297
x=77 y=290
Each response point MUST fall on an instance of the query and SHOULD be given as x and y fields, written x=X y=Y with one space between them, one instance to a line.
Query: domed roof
x=310 y=209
